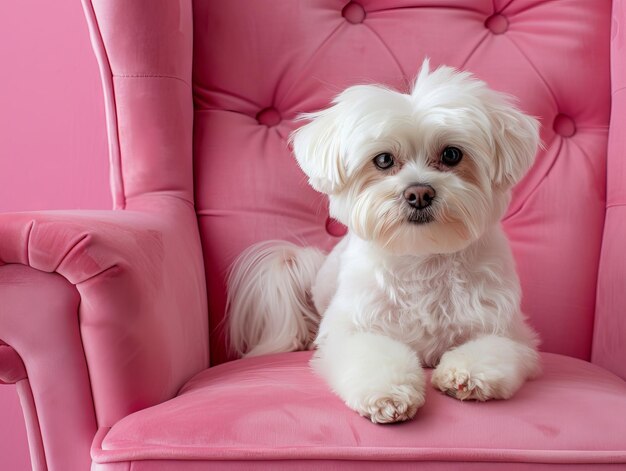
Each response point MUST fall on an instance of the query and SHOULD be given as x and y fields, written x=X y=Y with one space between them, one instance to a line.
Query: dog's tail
x=269 y=303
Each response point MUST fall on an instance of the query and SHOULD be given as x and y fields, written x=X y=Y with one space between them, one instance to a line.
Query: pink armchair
x=104 y=320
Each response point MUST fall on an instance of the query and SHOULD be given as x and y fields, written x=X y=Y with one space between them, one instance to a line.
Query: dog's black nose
x=419 y=196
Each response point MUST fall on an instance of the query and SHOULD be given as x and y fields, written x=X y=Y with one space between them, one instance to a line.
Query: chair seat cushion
x=275 y=408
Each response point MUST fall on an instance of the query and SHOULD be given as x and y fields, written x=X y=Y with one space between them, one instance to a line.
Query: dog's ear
x=516 y=140
x=318 y=150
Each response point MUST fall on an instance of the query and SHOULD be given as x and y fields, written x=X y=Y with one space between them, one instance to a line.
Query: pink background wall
x=52 y=138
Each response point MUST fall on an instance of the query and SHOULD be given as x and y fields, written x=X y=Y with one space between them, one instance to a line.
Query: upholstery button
x=497 y=23
x=353 y=13
x=269 y=117
x=335 y=228
x=564 y=125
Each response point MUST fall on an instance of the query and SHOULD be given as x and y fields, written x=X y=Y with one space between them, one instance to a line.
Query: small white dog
x=425 y=275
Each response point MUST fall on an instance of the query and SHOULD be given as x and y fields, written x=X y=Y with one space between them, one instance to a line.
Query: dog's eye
x=384 y=161
x=451 y=156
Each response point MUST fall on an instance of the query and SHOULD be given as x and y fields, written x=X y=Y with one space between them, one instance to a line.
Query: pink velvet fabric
x=344 y=465
x=121 y=295
x=275 y=408
x=140 y=326
x=142 y=314
x=11 y=366
x=144 y=51
x=609 y=341
x=257 y=65
x=39 y=319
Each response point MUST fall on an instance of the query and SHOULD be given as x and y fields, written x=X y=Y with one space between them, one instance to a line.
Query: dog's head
x=419 y=173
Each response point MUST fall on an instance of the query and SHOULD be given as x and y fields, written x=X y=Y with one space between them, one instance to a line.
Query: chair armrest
x=51 y=373
x=142 y=313
x=11 y=366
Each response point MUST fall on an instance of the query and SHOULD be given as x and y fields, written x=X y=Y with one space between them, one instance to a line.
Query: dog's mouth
x=421 y=216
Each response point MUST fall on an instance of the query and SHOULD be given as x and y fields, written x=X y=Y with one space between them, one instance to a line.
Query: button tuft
x=269 y=117
x=353 y=13
x=335 y=228
x=497 y=23
x=564 y=125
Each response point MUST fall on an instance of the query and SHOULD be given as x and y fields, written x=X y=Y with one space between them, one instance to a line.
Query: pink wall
x=52 y=138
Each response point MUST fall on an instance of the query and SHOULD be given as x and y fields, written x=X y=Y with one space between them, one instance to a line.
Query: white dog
x=425 y=275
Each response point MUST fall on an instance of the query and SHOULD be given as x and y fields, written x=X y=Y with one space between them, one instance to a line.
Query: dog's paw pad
x=460 y=384
x=388 y=410
x=397 y=406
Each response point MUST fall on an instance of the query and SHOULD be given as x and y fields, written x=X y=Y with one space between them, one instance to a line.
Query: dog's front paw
x=489 y=367
x=460 y=382
x=398 y=404
x=376 y=376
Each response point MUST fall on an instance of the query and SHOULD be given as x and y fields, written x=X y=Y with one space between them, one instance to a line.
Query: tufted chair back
x=202 y=96
x=257 y=65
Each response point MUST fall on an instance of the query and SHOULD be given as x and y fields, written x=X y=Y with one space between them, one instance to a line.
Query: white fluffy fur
x=394 y=294
x=269 y=298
